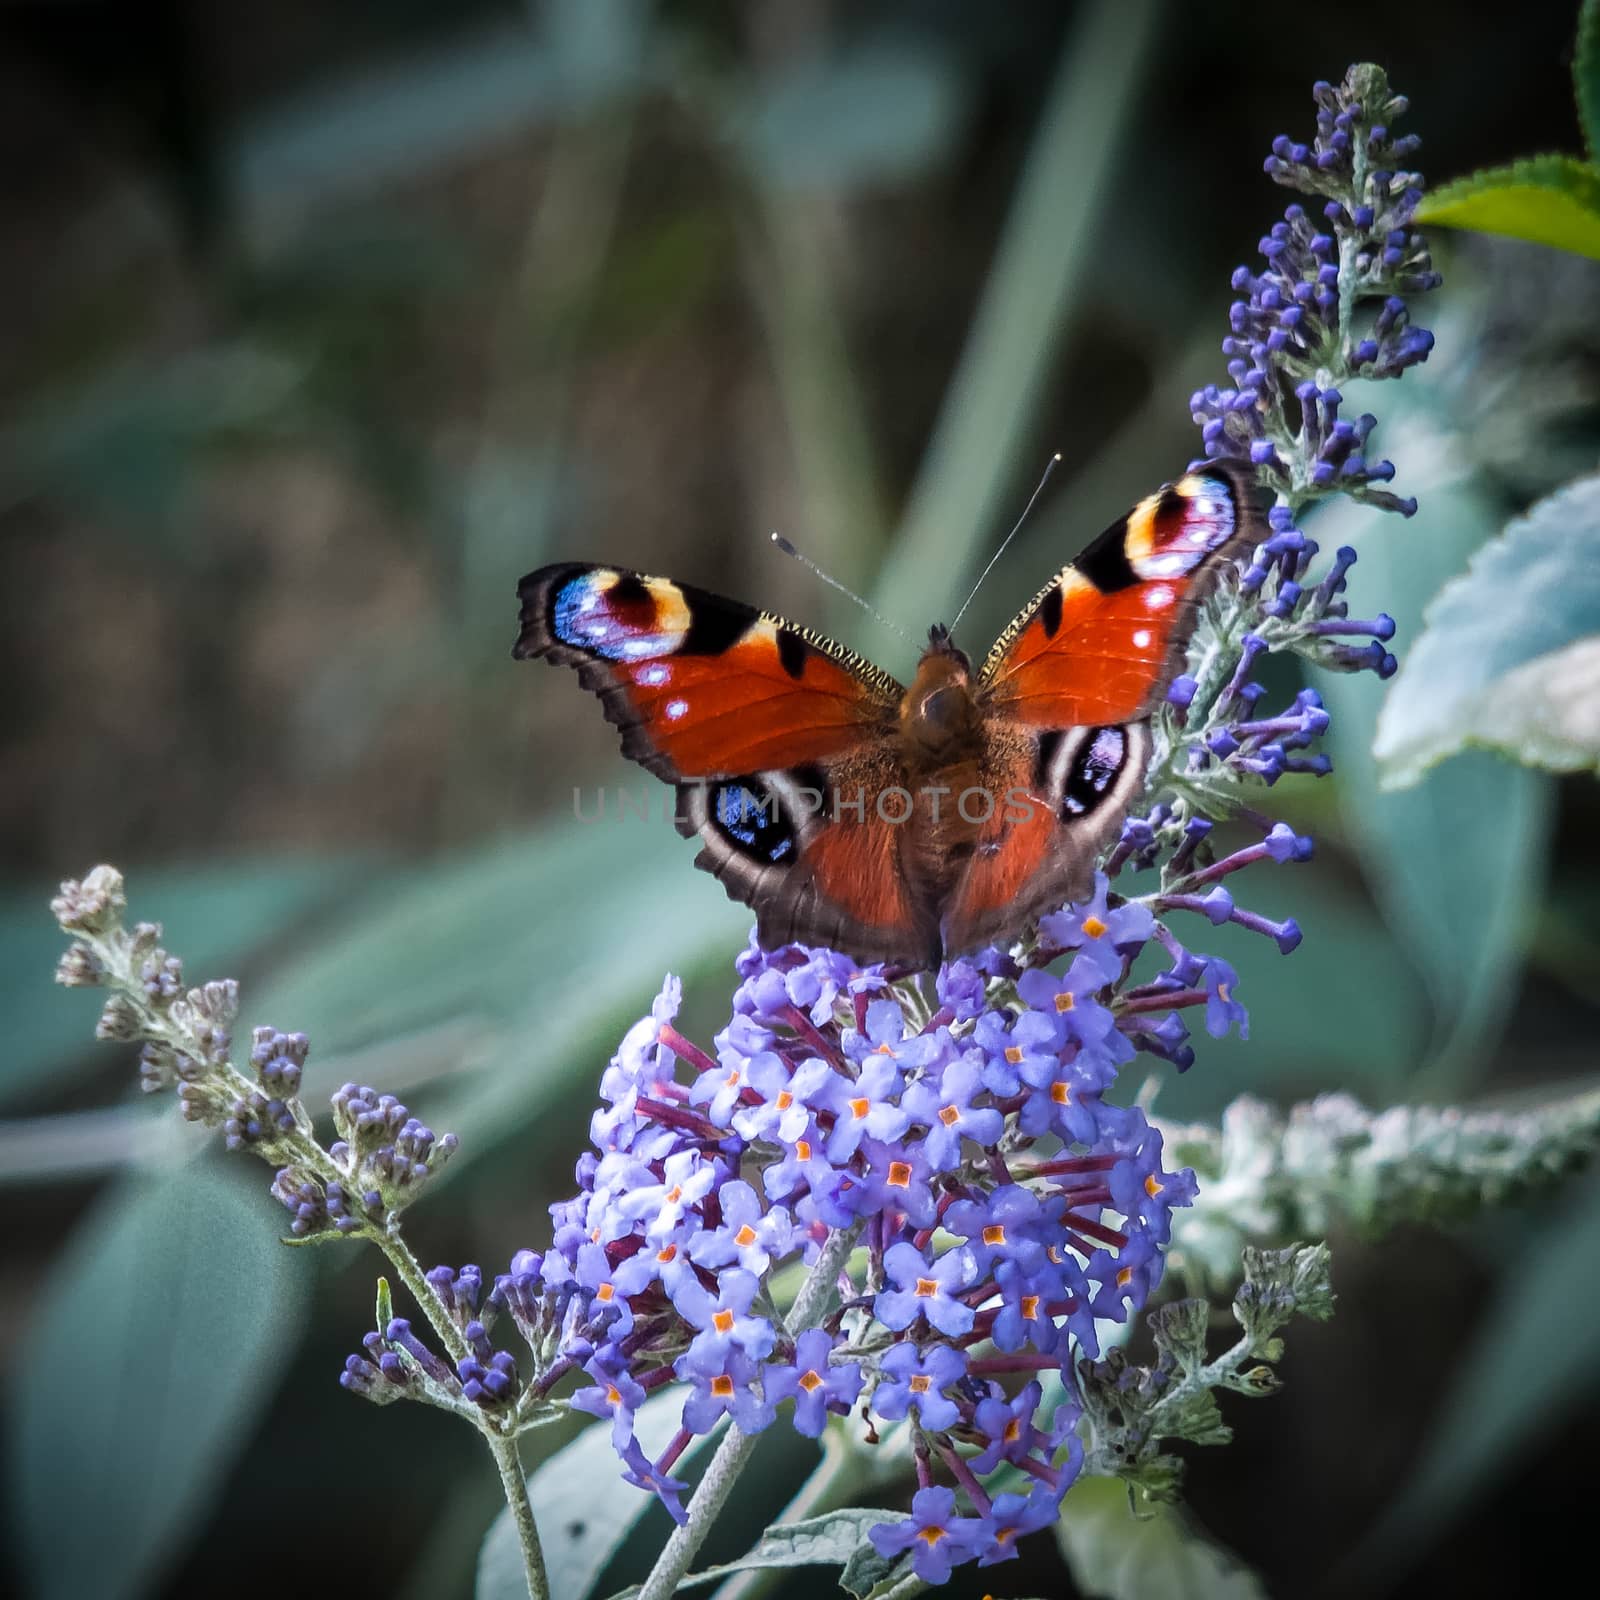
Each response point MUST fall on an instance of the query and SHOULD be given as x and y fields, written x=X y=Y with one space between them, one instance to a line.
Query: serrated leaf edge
x=1586 y=76
x=1552 y=171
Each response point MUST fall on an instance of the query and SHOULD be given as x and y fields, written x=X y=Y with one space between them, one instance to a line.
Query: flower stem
x=504 y=1450
x=409 y=1270
x=721 y=1476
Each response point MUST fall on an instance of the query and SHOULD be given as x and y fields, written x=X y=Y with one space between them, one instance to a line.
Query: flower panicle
x=382 y=1156
x=1328 y=305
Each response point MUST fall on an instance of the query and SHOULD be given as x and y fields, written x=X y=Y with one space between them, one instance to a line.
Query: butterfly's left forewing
x=1068 y=687
x=778 y=739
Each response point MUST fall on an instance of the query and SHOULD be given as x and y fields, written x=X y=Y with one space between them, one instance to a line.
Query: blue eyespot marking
x=750 y=819
x=612 y=615
x=1094 y=770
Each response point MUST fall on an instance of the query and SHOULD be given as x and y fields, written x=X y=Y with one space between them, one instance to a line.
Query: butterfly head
x=939 y=713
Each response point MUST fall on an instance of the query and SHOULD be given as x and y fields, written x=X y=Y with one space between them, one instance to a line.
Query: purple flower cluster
x=1295 y=327
x=954 y=1130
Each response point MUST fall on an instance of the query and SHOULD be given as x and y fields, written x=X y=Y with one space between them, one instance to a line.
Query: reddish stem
x=685 y=1049
x=1162 y=1000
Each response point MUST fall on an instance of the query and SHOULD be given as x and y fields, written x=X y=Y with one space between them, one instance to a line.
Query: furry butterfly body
x=902 y=823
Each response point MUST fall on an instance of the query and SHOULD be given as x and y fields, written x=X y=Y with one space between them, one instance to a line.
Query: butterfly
x=892 y=823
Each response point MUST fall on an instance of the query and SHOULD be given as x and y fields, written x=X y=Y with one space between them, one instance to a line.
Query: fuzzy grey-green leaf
x=1510 y=658
x=832 y=1539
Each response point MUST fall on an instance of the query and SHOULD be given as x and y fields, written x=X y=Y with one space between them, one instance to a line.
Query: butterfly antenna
x=833 y=583
x=1050 y=466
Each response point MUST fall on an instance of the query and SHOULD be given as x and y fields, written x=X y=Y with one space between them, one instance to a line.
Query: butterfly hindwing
x=1068 y=790
x=778 y=739
x=810 y=849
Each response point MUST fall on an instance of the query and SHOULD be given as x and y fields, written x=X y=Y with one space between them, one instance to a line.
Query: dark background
x=325 y=323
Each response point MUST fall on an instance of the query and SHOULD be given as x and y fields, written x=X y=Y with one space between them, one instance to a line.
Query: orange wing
x=780 y=742
x=701 y=687
x=1103 y=640
x=1067 y=688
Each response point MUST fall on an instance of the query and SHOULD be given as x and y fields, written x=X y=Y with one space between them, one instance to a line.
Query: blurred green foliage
x=423 y=298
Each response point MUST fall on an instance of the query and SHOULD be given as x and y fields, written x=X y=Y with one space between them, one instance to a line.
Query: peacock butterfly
x=892 y=823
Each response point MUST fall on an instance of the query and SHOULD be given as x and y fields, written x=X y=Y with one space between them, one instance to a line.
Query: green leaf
x=834 y=1539
x=158 y=1342
x=1532 y=1362
x=1461 y=929
x=1160 y=1554
x=583 y=1508
x=1552 y=199
x=1510 y=659
x=867 y=1573
x=1586 y=75
x=879 y=114
x=215 y=916
x=844 y=1473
